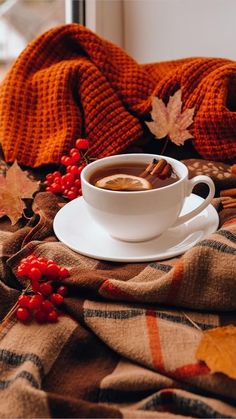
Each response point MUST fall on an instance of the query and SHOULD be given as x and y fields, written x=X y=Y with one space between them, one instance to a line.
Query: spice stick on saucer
x=228 y=192
x=228 y=202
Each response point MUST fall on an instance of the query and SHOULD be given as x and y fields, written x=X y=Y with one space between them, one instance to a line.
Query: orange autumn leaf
x=169 y=121
x=14 y=187
x=218 y=350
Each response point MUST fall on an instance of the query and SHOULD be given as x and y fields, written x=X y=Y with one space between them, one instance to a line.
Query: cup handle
x=191 y=183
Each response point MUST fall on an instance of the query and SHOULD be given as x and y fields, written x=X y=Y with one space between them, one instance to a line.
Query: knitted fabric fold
x=69 y=83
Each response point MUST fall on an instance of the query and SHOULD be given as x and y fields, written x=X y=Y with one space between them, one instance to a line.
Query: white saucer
x=75 y=228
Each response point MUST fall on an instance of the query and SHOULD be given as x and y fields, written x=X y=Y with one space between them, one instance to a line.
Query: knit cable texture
x=69 y=82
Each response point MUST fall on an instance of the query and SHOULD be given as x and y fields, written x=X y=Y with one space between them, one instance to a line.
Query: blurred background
x=21 y=21
x=149 y=30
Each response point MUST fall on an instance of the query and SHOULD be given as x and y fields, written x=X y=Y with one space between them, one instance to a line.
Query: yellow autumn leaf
x=218 y=350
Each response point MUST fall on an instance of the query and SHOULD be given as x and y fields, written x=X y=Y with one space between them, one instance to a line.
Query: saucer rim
x=133 y=259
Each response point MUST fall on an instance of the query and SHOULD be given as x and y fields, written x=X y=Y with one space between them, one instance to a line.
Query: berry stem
x=14 y=307
x=84 y=155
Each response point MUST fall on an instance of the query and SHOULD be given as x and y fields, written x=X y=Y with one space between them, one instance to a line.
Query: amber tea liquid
x=134 y=169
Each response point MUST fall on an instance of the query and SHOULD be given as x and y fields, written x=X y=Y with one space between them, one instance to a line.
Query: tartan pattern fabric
x=125 y=344
x=69 y=83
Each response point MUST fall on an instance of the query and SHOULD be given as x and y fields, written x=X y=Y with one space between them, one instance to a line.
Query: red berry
x=62 y=290
x=74 y=189
x=57 y=180
x=72 y=195
x=74 y=150
x=20 y=272
x=63 y=188
x=65 y=192
x=77 y=183
x=49 y=177
x=82 y=144
x=35 y=302
x=80 y=168
x=35 y=274
x=43 y=267
x=42 y=259
x=67 y=180
x=75 y=157
x=46 y=288
x=40 y=316
x=50 y=261
x=69 y=177
x=35 y=286
x=47 y=306
x=24 y=260
x=30 y=258
x=22 y=314
x=56 y=299
x=23 y=301
x=64 y=273
x=25 y=267
x=63 y=160
x=68 y=161
x=56 y=174
x=55 y=187
x=52 y=270
x=48 y=189
x=35 y=264
x=52 y=316
x=73 y=170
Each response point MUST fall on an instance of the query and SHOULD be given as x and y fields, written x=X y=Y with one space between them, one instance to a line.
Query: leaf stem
x=164 y=146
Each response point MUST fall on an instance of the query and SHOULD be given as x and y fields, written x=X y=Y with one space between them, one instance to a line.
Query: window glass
x=21 y=21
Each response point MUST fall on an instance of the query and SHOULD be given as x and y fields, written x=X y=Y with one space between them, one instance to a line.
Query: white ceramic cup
x=141 y=215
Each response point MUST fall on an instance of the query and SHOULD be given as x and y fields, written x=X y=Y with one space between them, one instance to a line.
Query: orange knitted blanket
x=69 y=83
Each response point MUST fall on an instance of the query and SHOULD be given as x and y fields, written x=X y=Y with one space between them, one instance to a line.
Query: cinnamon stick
x=228 y=202
x=233 y=169
x=230 y=205
x=228 y=192
x=166 y=172
x=149 y=168
x=159 y=167
x=226 y=199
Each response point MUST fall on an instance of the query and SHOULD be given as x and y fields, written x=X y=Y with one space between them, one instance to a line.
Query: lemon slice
x=123 y=182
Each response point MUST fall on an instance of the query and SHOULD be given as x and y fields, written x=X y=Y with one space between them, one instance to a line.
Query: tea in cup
x=137 y=197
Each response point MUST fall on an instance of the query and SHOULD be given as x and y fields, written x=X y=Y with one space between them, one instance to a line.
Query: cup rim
x=114 y=157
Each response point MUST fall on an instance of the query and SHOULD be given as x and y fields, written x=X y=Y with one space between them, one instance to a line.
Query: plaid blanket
x=125 y=343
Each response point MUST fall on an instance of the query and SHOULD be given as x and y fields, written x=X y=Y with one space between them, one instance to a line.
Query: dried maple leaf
x=14 y=187
x=218 y=350
x=169 y=121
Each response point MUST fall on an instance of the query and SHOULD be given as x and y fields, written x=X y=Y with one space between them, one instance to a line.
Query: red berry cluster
x=44 y=294
x=69 y=184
